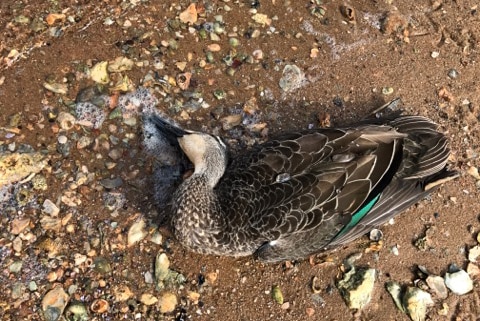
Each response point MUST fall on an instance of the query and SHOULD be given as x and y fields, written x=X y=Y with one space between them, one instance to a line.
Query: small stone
x=51 y=223
x=437 y=285
x=156 y=238
x=387 y=91
x=100 y=306
x=148 y=299
x=61 y=89
x=32 y=286
x=167 y=302
x=473 y=270
x=120 y=64
x=474 y=253
x=435 y=54
x=262 y=19
x=416 y=302
x=111 y=183
x=211 y=278
x=292 y=78
x=459 y=282
x=285 y=306
x=39 y=182
x=15 y=267
x=83 y=142
x=79 y=259
x=136 y=232
x=50 y=208
x=257 y=54
x=53 y=303
x=453 y=73
x=18 y=289
x=17 y=244
x=66 y=120
x=162 y=264
x=19 y=225
x=376 y=235
x=148 y=277
x=473 y=171
x=214 y=47
x=122 y=293
x=189 y=15
x=231 y=121
x=356 y=287
x=115 y=154
x=78 y=311
x=62 y=139
x=310 y=311
x=99 y=73
x=101 y=265
x=277 y=295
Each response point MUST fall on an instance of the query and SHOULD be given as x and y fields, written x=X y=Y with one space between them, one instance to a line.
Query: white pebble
x=459 y=282
x=62 y=139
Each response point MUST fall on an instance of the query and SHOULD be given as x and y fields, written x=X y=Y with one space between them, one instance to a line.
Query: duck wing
x=423 y=168
x=308 y=191
x=310 y=182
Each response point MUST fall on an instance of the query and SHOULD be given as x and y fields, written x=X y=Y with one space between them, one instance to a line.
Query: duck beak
x=166 y=128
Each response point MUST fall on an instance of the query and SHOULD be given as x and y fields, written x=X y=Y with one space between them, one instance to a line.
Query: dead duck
x=303 y=192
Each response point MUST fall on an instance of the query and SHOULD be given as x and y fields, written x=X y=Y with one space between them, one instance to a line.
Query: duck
x=302 y=192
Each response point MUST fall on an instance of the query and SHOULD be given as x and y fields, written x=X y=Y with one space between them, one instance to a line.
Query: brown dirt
x=355 y=62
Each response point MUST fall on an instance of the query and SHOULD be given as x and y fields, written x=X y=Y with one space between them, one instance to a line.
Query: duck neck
x=198 y=220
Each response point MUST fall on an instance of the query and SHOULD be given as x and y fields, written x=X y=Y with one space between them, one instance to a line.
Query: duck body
x=303 y=192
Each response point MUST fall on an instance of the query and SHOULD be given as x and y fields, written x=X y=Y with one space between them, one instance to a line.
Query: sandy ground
x=355 y=57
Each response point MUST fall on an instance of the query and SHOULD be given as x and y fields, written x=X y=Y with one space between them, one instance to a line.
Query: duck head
x=208 y=153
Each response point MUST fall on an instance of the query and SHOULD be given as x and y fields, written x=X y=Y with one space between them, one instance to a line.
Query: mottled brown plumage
x=306 y=191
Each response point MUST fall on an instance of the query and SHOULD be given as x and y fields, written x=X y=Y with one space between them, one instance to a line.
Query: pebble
x=437 y=285
x=18 y=289
x=277 y=295
x=356 y=287
x=148 y=299
x=111 y=183
x=156 y=238
x=257 y=54
x=459 y=282
x=474 y=253
x=100 y=306
x=78 y=311
x=473 y=270
x=473 y=171
x=39 y=182
x=167 y=302
x=53 y=303
x=66 y=120
x=136 y=232
x=17 y=244
x=50 y=208
x=101 y=265
x=83 y=142
x=19 y=225
x=453 y=73
x=292 y=78
x=416 y=302
x=15 y=267
x=376 y=235
x=32 y=286
x=122 y=293
x=115 y=154
x=162 y=264
x=148 y=277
